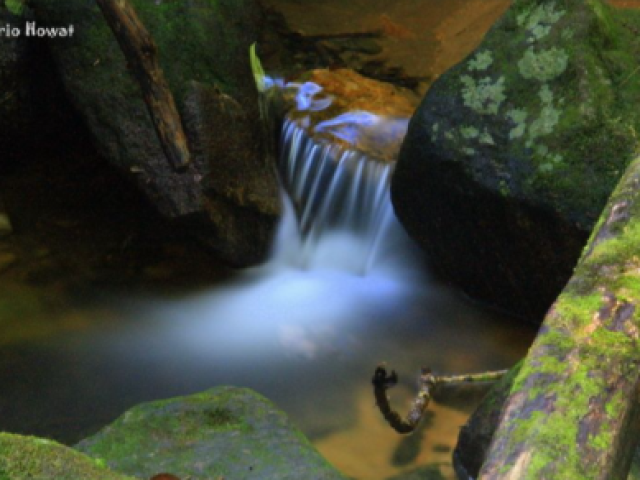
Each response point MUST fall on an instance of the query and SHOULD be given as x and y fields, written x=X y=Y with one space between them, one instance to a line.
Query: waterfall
x=340 y=260
x=338 y=212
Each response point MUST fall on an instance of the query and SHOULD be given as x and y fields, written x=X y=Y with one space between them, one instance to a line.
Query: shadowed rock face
x=12 y=75
x=224 y=432
x=240 y=203
x=204 y=41
x=512 y=153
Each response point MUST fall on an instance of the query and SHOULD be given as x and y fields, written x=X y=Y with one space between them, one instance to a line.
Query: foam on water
x=339 y=258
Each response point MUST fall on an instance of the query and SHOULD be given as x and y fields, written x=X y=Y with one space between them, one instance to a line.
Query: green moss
x=224 y=432
x=469 y=132
x=30 y=457
x=571 y=90
x=486 y=138
x=558 y=430
x=532 y=17
x=16 y=7
x=518 y=116
x=481 y=61
x=579 y=338
x=483 y=96
x=543 y=65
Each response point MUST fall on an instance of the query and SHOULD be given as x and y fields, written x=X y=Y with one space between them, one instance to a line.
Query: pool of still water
x=308 y=339
x=76 y=350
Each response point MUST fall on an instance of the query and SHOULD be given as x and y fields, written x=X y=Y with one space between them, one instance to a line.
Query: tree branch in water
x=427 y=385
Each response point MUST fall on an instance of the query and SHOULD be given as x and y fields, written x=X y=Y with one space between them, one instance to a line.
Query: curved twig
x=427 y=385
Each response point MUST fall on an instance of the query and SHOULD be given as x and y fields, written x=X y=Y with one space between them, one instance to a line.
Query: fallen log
x=573 y=410
x=141 y=53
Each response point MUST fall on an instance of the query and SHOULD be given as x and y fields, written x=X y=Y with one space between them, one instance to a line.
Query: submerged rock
x=30 y=457
x=341 y=107
x=512 y=153
x=224 y=432
x=201 y=41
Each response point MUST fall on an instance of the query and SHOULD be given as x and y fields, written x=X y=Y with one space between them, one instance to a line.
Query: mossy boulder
x=24 y=457
x=225 y=432
x=512 y=154
x=206 y=41
x=476 y=434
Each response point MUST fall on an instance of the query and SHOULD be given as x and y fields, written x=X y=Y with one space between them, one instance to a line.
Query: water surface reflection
x=307 y=339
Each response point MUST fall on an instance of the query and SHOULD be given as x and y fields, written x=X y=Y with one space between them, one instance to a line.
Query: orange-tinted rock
x=358 y=112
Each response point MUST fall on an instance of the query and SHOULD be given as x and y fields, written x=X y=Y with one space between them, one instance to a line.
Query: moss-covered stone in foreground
x=225 y=432
x=24 y=457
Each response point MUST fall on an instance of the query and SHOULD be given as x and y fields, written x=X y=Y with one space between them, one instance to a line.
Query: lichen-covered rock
x=205 y=41
x=24 y=457
x=225 y=432
x=512 y=153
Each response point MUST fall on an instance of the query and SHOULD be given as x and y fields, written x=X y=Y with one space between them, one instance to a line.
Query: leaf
x=256 y=68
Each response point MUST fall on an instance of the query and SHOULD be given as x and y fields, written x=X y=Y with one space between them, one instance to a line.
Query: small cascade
x=341 y=197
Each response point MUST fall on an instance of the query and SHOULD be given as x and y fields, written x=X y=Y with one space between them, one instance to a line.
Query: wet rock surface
x=224 y=432
x=343 y=108
x=513 y=152
x=241 y=202
x=191 y=40
x=402 y=42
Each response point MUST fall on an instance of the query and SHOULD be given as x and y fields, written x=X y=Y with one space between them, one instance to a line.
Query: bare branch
x=141 y=53
x=427 y=385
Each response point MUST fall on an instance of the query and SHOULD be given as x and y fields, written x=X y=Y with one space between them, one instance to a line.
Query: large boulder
x=476 y=434
x=225 y=432
x=512 y=153
x=202 y=41
x=30 y=457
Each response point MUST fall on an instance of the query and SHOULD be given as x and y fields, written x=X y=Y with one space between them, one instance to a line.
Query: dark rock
x=475 y=436
x=225 y=432
x=241 y=201
x=203 y=41
x=7 y=260
x=13 y=64
x=5 y=221
x=512 y=154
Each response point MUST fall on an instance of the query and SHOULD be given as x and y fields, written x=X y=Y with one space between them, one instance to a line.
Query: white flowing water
x=345 y=219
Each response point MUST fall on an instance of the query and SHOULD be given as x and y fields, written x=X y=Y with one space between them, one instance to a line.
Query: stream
x=344 y=291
